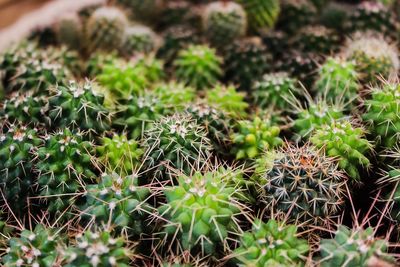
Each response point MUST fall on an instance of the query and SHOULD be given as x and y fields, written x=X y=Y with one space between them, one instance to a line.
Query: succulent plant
x=275 y=90
x=228 y=100
x=105 y=29
x=97 y=61
x=246 y=60
x=200 y=212
x=354 y=247
x=347 y=143
x=271 y=244
x=296 y=14
x=139 y=39
x=261 y=14
x=198 y=66
x=118 y=201
x=253 y=137
x=302 y=185
x=373 y=57
x=64 y=164
x=177 y=142
x=145 y=11
x=317 y=39
x=70 y=31
x=35 y=248
x=223 y=22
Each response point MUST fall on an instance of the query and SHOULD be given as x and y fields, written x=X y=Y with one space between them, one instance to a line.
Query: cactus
x=64 y=164
x=70 y=31
x=275 y=90
x=228 y=100
x=254 y=137
x=296 y=14
x=381 y=114
x=16 y=154
x=35 y=248
x=356 y=247
x=338 y=80
x=145 y=11
x=139 y=39
x=347 y=143
x=271 y=244
x=223 y=22
x=105 y=29
x=277 y=42
x=97 y=61
x=246 y=60
x=200 y=212
x=261 y=14
x=373 y=57
x=317 y=39
x=78 y=107
x=301 y=185
x=118 y=201
x=198 y=66
x=177 y=142
x=98 y=248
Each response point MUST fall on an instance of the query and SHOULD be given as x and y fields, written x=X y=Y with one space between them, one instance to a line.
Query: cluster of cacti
x=203 y=133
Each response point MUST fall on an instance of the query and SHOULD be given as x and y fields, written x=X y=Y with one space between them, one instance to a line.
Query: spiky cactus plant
x=97 y=61
x=145 y=11
x=275 y=90
x=354 y=247
x=78 y=107
x=373 y=56
x=35 y=248
x=118 y=201
x=200 y=212
x=178 y=142
x=64 y=165
x=105 y=29
x=98 y=248
x=223 y=22
x=261 y=14
x=296 y=14
x=271 y=244
x=252 y=137
x=318 y=39
x=17 y=144
x=120 y=154
x=198 y=66
x=70 y=31
x=338 y=80
x=381 y=114
x=139 y=39
x=228 y=100
x=347 y=143
x=283 y=177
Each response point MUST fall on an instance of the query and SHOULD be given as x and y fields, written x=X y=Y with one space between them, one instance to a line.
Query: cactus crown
x=228 y=100
x=139 y=39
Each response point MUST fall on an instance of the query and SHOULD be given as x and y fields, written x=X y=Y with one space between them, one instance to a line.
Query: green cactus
x=301 y=185
x=35 y=248
x=16 y=155
x=177 y=142
x=262 y=14
x=139 y=39
x=64 y=164
x=118 y=201
x=354 y=247
x=198 y=66
x=271 y=244
x=228 y=100
x=275 y=90
x=70 y=31
x=296 y=14
x=97 y=61
x=347 y=143
x=200 y=212
x=253 y=137
x=317 y=39
x=338 y=81
x=105 y=29
x=146 y=11
x=223 y=22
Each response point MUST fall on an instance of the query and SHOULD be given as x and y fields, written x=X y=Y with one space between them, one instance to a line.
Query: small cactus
x=228 y=100
x=70 y=31
x=262 y=14
x=139 y=39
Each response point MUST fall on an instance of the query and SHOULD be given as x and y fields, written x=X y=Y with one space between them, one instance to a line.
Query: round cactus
x=261 y=13
x=145 y=11
x=223 y=22
x=139 y=39
x=275 y=90
x=64 y=165
x=340 y=139
x=317 y=39
x=338 y=80
x=200 y=211
x=301 y=185
x=70 y=31
x=198 y=66
x=178 y=142
x=271 y=244
x=352 y=248
x=228 y=100
x=118 y=201
x=254 y=137
x=381 y=114
x=296 y=14
x=105 y=29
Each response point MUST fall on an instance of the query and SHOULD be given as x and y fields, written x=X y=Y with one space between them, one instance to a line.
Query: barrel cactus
x=139 y=39
x=261 y=14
